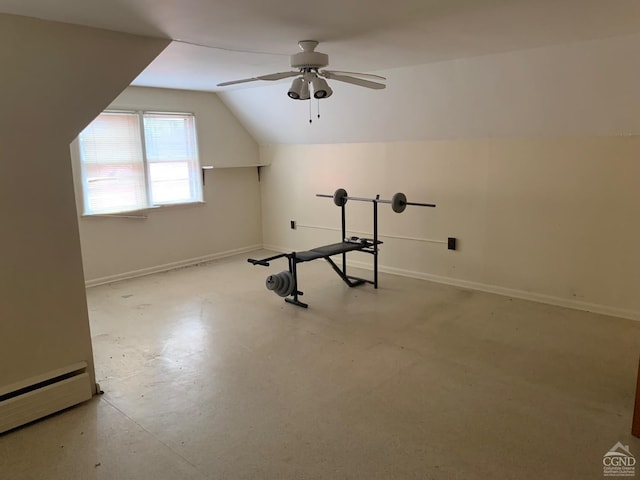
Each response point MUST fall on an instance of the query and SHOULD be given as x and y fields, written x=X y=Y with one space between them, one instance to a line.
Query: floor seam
x=111 y=404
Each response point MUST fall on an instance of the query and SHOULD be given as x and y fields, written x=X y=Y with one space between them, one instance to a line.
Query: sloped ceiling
x=218 y=40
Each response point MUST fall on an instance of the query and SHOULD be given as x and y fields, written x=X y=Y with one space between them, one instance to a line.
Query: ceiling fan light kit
x=300 y=87
x=320 y=88
x=309 y=62
x=296 y=90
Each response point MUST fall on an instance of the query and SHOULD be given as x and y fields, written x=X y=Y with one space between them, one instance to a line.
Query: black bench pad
x=329 y=250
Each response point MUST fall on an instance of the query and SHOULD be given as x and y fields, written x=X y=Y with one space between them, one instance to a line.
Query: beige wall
x=54 y=80
x=554 y=220
x=573 y=90
x=228 y=221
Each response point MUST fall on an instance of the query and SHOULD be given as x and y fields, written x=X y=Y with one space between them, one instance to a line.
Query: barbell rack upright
x=344 y=237
x=375 y=241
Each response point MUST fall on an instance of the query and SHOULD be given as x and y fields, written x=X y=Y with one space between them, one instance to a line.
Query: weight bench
x=285 y=283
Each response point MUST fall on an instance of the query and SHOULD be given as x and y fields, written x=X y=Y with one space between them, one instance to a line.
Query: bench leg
x=293 y=268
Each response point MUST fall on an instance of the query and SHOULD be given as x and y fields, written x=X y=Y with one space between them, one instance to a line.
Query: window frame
x=140 y=113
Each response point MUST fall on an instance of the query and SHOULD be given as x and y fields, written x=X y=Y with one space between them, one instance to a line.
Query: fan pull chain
x=318 y=108
x=310 y=121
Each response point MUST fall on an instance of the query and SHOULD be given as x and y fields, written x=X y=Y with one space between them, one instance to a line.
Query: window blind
x=113 y=171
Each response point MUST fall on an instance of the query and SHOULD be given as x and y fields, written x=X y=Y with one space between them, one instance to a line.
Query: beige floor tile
x=208 y=375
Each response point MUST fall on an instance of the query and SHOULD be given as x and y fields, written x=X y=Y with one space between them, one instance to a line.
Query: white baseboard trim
x=277 y=249
x=168 y=266
x=508 y=292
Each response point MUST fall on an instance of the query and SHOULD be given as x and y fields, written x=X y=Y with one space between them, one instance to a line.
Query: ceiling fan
x=310 y=78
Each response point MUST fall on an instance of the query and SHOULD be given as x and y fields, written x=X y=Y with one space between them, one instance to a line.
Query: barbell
x=398 y=201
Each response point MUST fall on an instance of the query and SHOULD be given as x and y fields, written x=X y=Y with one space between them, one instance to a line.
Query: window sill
x=142 y=213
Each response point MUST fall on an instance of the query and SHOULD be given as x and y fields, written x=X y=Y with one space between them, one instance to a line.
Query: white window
x=137 y=160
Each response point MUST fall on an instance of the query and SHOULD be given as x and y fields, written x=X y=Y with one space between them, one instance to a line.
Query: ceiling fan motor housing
x=309 y=60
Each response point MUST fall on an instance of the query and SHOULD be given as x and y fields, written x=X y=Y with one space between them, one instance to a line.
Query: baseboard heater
x=42 y=395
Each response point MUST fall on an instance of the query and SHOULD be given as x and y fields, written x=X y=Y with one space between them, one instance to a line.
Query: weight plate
x=281 y=291
x=273 y=282
x=289 y=277
x=398 y=202
x=291 y=283
x=287 y=284
x=340 y=197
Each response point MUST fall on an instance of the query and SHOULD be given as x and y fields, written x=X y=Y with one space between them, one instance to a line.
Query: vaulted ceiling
x=219 y=40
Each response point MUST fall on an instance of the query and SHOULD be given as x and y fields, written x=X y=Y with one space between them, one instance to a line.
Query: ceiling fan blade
x=234 y=82
x=357 y=74
x=278 y=76
x=356 y=81
x=270 y=77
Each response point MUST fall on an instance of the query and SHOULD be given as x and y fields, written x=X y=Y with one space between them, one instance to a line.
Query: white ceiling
x=245 y=38
x=365 y=35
